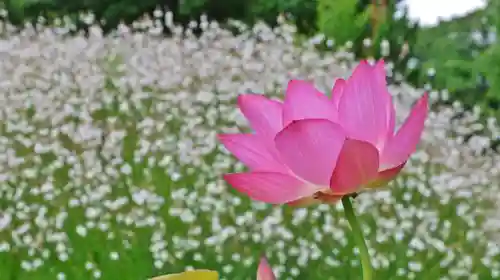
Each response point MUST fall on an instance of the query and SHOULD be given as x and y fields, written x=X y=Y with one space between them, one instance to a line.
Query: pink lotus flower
x=312 y=148
x=264 y=272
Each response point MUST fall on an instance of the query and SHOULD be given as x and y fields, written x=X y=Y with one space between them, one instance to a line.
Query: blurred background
x=419 y=36
x=110 y=167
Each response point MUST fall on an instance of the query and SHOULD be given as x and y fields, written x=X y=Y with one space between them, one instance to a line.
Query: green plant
x=340 y=20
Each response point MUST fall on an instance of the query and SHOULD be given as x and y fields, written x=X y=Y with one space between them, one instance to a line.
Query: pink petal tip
x=265 y=272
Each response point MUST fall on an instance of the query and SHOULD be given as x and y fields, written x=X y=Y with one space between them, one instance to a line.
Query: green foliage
x=189 y=6
x=109 y=13
x=464 y=59
x=340 y=19
x=447 y=45
x=16 y=10
x=302 y=13
x=489 y=63
x=490 y=60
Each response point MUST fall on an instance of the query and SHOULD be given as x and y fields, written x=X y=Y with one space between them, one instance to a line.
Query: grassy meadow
x=110 y=167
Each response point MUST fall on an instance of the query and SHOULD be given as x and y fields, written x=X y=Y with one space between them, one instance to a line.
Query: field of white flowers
x=110 y=167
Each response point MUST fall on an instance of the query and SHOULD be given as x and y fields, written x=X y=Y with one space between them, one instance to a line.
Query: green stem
x=358 y=237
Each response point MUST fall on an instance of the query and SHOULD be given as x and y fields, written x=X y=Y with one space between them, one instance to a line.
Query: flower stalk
x=358 y=238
